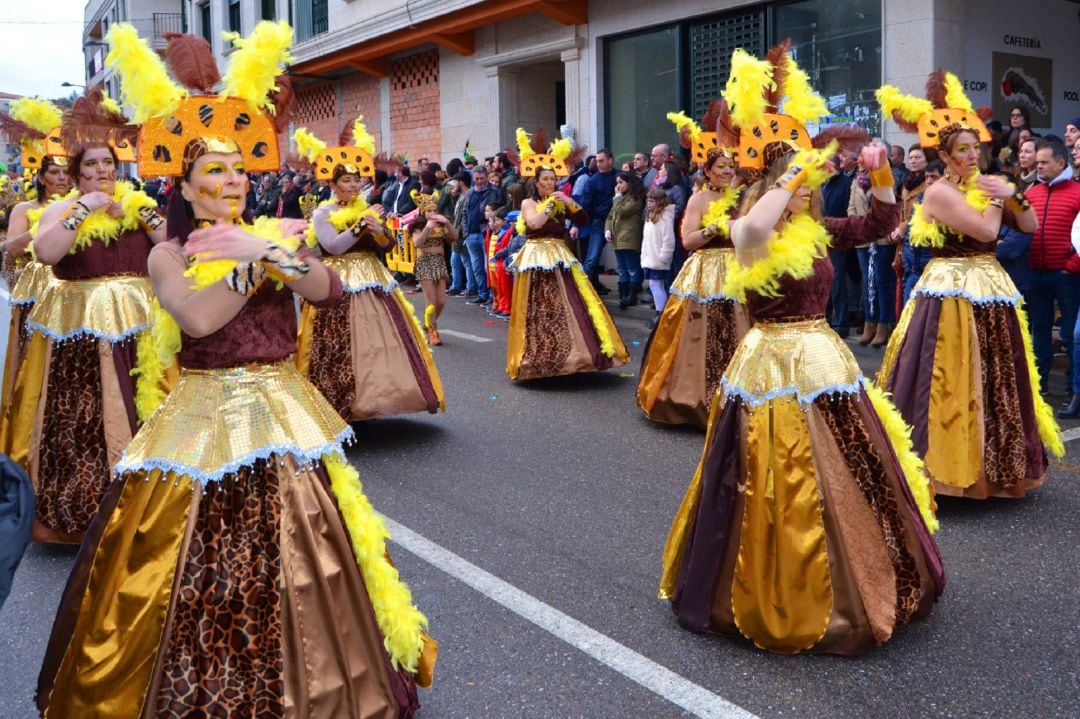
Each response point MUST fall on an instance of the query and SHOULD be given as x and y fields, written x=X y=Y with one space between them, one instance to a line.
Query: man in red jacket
x=1056 y=199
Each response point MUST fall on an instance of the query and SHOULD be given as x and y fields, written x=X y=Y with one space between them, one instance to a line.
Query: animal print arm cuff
x=151 y=218
x=245 y=278
x=1019 y=202
x=283 y=264
x=74 y=216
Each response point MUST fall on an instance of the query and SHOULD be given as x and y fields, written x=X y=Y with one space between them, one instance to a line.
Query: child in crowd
x=658 y=246
x=498 y=237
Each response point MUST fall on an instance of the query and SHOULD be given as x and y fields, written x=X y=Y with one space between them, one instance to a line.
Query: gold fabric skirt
x=216 y=421
x=34 y=279
x=703 y=275
x=361 y=271
x=111 y=308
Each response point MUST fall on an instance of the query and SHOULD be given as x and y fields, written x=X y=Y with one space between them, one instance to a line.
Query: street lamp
x=70 y=84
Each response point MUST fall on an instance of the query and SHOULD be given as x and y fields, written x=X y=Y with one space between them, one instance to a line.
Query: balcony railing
x=168 y=22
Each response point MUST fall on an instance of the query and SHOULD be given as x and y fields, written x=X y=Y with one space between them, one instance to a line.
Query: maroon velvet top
x=125 y=255
x=958 y=245
x=555 y=227
x=262 y=332
x=805 y=298
x=366 y=243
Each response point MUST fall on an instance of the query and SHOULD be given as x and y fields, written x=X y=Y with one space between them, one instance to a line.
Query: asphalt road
x=563 y=490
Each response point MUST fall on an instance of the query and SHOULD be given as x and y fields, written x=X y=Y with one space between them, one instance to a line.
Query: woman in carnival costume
x=558 y=325
x=960 y=366
x=430 y=232
x=807 y=525
x=252 y=570
x=700 y=326
x=32 y=121
x=83 y=328
x=385 y=367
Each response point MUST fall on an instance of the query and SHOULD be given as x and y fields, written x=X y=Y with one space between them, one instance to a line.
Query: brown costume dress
x=961 y=371
x=385 y=368
x=220 y=577
x=687 y=353
x=802 y=529
x=79 y=356
x=558 y=325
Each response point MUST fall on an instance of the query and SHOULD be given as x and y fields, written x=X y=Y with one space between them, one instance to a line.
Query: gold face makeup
x=217 y=188
x=97 y=170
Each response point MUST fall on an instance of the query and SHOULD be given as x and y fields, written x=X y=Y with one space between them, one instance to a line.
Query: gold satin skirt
x=798 y=530
x=558 y=324
x=111 y=308
x=962 y=373
x=385 y=368
x=223 y=573
x=692 y=344
x=32 y=282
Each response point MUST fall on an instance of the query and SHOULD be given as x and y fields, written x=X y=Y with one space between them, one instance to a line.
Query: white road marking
x=656 y=678
x=465 y=336
x=1070 y=435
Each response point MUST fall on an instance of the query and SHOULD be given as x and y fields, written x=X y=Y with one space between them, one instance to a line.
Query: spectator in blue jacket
x=596 y=197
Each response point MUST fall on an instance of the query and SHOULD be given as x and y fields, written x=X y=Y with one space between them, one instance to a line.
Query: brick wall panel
x=414 y=105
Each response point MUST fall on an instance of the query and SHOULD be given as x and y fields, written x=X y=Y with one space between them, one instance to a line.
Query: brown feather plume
x=850 y=137
x=88 y=123
x=984 y=112
x=577 y=155
x=935 y=89
x=513 y=156
x=346 y=137
x=388 y=163
x=15 y=132
x=684 y=137
x=778 y=56
x=539 y=141
x=906 y=126
x=192 y=62
x=727 y=135
x=286 y=103
x=712 y=115
x=298 y=163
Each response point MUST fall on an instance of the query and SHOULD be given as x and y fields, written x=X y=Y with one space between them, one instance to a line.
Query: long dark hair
x=633 y=182
x=673 y=172
x=534 y=191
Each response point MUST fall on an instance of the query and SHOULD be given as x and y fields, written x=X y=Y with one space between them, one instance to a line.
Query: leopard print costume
x=330 y=368
x=1004 y=457
x=224 y=656
x=843 y=419
x=720 y=343
x=74 y=470
x=547 y=328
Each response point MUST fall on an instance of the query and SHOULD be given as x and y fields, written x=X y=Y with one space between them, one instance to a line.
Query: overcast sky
x=41 y=46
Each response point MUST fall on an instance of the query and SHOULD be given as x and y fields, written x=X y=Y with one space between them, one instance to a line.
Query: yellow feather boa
x=558 y=208
x=343 y=217
x=791 y=251
x=912 y=466
x=33 y=218
x=100 y=226
x=157 y=348
x=595 y=310
x=1049 y=430
x=718 y=214
x=930 y=233
x=400 y=622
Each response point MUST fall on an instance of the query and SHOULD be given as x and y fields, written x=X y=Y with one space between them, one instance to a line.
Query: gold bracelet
x=881 y=177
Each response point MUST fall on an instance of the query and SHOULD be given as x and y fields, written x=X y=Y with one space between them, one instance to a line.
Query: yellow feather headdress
x=178 y=127
x=530 y=157
x=945 y=111
x=356 y=158
x=40 y=115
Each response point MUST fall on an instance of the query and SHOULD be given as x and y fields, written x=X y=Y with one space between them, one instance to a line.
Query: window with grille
x=312 y=18
x=710 y=46
x=234 y=15
x=204 y=23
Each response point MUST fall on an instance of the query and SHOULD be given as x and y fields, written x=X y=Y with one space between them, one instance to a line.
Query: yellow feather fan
x=955 y=95
x=39 y=114
x=802 y=102
x=909 y=107
x=147 y=87
x=259 y=59
x=749 y=76
x=561 y=148
x=523 y=143
x=307 y=144
x=681 y=121
x=362 y=138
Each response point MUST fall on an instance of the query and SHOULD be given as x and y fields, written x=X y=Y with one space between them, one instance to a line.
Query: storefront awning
x=453 y=31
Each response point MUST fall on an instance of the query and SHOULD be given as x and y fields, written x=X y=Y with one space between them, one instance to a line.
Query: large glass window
x=838 y=43
x=642 y=86
x=269 y=9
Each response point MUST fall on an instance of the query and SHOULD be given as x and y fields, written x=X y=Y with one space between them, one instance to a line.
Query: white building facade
x=431 y=75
